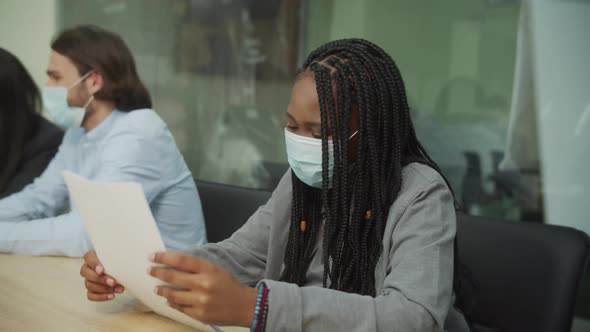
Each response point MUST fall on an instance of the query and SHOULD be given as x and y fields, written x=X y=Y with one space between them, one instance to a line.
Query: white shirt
x=127 y=146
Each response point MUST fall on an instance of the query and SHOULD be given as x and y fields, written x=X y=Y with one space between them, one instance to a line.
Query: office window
x=220 y=74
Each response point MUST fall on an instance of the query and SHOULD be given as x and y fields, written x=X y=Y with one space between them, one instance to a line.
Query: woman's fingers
x=98 y=288
x=99 y=297
x=177 y=296
x=173 y=277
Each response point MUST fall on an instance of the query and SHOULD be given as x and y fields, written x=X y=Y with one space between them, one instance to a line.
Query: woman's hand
x=203 y=290
x=99 y=286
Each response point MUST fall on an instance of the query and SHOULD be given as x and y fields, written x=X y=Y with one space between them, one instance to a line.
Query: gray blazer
x=414 y=276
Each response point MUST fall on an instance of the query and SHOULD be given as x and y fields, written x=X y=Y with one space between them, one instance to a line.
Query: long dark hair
x=92 y=48
x=355 y=74
x=20 y=104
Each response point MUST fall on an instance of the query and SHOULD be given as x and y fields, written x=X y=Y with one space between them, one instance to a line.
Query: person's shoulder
x=417 y=178
x=48 y=129
x=420 y=173
x=47 y=137
x=285 y=185
x=424 y=195
x=144 y=123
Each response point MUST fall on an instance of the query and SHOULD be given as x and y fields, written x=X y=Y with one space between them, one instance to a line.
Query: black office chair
x=528 y=274
x=226 y=208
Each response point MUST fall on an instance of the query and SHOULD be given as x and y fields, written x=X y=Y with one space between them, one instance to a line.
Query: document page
x=123 y=231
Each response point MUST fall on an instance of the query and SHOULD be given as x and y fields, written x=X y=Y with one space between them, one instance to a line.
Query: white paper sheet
x=123 y=231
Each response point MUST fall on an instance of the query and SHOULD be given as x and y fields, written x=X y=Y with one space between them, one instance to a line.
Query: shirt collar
x=104 y=127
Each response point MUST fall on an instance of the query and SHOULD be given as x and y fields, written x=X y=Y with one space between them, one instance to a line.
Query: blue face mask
x=55 y=101
x=305 y=158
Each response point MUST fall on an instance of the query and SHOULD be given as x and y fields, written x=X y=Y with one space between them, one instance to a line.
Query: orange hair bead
x=303 y=226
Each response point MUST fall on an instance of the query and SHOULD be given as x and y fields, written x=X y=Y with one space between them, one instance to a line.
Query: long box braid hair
x=354 y=205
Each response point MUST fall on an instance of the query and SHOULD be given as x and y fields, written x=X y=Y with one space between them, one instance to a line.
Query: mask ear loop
x=88 y=102
x=83 y=77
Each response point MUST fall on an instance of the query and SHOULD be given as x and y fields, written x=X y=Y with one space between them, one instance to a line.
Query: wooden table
x=48 y=294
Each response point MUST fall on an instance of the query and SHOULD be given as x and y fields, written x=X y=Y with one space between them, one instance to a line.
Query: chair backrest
x=226 y=208
x=528 y=274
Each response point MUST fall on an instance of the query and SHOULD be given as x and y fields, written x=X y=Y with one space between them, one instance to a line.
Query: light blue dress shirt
x=127 y=146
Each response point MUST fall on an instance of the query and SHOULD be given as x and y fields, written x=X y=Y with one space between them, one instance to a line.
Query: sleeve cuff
x=284 y=307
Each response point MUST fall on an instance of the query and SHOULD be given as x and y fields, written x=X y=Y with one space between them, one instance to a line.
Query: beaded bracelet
x=263 y=312
x=260 y=313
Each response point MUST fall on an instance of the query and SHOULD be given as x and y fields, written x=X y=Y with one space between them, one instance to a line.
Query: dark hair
x=20 y=103
x=355 y=74
x=92 y=48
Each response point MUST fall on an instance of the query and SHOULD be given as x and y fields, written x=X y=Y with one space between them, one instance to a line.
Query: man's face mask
x=55 y=101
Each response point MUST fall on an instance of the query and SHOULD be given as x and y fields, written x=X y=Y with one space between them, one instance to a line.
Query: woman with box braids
x=359 y=86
